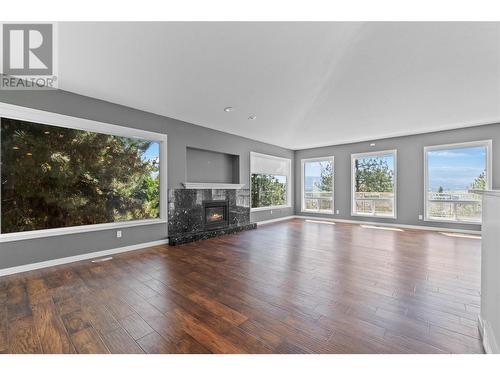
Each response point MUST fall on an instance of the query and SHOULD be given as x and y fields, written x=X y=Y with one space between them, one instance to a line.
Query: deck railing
x=454 y=206
x=374 y=203
x=318 y=201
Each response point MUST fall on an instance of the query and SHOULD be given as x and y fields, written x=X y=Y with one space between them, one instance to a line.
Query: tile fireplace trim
x=182 y=238
x=211 y=185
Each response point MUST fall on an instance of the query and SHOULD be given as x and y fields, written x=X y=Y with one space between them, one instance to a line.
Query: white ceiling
x=309 y=84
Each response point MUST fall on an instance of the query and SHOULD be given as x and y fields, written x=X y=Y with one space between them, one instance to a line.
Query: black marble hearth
x=187 y=213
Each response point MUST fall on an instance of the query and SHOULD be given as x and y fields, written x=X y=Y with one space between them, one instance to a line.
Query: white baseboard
x=394 y=225
x=275 y=220
x=489 y=341
x=76 y=258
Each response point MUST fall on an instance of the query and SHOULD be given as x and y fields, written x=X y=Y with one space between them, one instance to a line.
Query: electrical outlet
x=118 y=234
x=337 y=212
x=420 y=217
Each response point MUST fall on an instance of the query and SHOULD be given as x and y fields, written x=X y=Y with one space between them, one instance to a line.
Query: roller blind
x=267 y=164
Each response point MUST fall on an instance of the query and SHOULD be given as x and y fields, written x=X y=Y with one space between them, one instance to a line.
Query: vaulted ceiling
x=308 y=84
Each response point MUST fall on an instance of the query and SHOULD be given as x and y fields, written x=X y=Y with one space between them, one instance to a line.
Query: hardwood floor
x=289 y=287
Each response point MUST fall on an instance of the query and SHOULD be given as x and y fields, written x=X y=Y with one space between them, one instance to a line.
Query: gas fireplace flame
x=215 y=217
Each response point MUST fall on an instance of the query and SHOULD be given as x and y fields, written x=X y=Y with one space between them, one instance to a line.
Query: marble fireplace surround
x=186 y=214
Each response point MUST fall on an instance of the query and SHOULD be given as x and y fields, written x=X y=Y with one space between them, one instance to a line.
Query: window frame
x=394 y=152
x=488 y=143
x=54 y=119
x=288 y=183
x=302 y=189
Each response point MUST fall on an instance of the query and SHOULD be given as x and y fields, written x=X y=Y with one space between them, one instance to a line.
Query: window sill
x=10 y=237
x=257 y=209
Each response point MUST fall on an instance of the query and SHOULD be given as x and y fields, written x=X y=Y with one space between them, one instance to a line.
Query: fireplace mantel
x=211 y=185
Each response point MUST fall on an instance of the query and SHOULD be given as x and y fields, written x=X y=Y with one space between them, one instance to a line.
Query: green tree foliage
x=479 y=182
x=56 y=177
x=373 y=175
x=440 y=190
x=267 y=190
x=326 y=181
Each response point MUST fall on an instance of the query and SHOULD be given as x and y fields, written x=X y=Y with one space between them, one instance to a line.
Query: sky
x=389 y=159
x=153 y=152
x=455 y=169
x=312 y=174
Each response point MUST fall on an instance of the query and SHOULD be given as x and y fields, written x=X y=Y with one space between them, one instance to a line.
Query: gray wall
x=209 y=166
x=410 y=174
x=180 y=136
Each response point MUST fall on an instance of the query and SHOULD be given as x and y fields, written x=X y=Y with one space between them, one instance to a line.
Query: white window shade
x=267 y=164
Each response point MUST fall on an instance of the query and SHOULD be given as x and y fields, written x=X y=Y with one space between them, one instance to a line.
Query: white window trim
x=395 y=182
x=54 y=119
x=288 y=183
x=489 y=170
x=302 y=180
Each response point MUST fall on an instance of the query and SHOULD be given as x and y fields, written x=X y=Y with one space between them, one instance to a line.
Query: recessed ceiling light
x=228 y=109
x=252 y=117
x=372 y=144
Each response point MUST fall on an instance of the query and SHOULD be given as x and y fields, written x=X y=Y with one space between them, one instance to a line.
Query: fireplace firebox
x=216 y=214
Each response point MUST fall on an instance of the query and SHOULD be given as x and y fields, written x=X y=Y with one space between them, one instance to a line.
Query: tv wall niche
x=212 y=166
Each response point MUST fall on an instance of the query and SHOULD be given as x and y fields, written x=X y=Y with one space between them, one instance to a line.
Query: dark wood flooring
x=290 y=287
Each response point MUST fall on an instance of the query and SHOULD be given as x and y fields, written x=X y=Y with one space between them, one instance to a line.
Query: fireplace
x=200 y=214
x=216 y=214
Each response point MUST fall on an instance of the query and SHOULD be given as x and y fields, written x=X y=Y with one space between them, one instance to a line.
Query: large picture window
x=317 y=185
x=451 y=172
x=270 y=181
x=56 y=177
x=374 y=184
